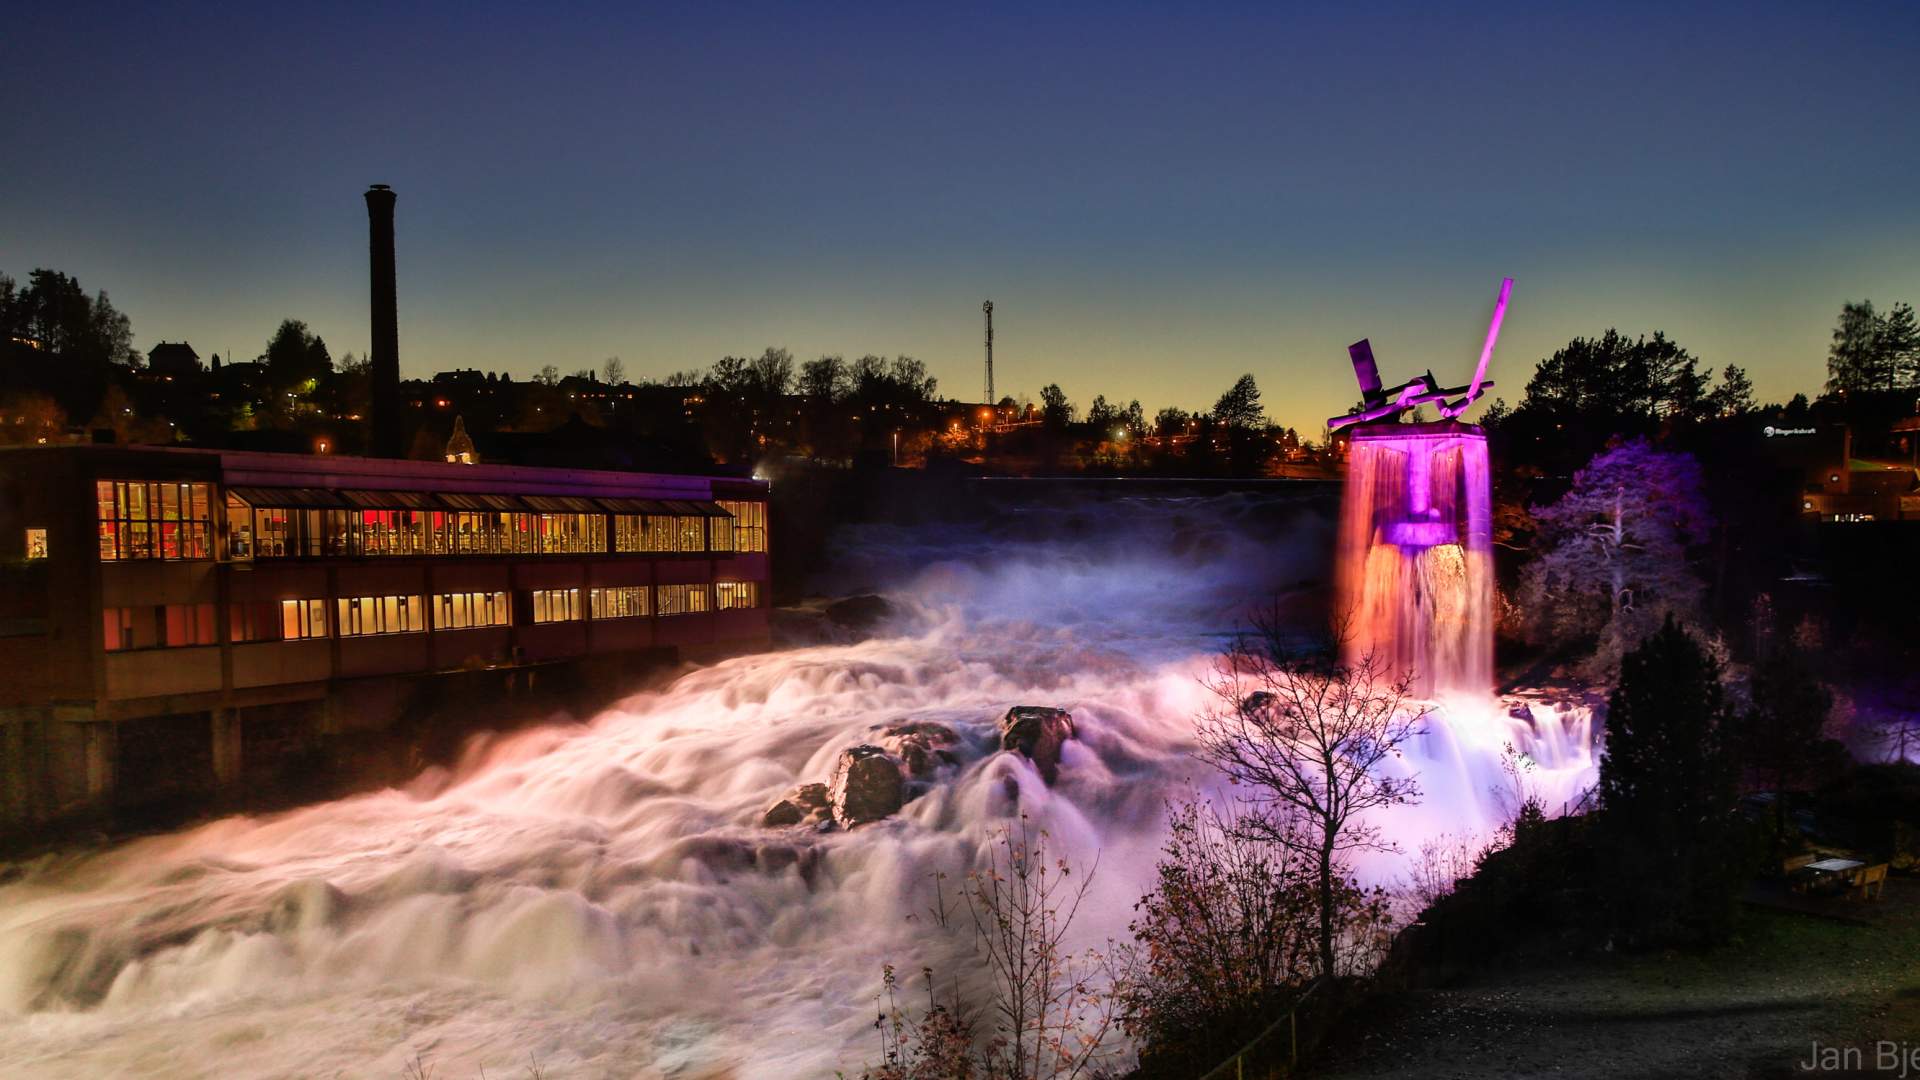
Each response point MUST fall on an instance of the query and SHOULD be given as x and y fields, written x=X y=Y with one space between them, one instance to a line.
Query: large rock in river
x=1038 y=732
x=867 y=786
x=922 y=745
x=804 y=805
x=860 y=614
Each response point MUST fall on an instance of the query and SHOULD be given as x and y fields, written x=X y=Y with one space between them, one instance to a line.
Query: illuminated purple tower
x=1414 y=571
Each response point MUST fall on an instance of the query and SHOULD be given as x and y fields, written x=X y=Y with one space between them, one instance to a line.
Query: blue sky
x=1156 y=197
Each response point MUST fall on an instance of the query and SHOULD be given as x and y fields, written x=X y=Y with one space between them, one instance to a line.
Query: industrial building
x=160 y=606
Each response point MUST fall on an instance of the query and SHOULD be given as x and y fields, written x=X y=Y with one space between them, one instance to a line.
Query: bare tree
x=1053 y=1013
x=1050 y=1009
x=936 y=1045
x=1310 y=733
x=824 y=380
x=1229 y=930
x=771 y=373
x=613 y=372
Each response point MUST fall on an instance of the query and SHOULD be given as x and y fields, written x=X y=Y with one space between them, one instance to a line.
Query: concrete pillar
x=101 y=742
x=227 y=754
x=16 y=784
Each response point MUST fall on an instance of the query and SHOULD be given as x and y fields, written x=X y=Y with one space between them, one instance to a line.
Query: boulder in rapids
x=1038 y=732
x=860 y=614
x=305 y=905
x=805 y=803
x=867 y=785
x=922 y=745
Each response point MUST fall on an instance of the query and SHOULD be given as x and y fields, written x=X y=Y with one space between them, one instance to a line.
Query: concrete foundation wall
x=53 y=769
x=62 y=770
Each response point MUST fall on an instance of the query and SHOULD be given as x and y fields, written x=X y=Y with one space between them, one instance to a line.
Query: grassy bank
x=1751 y=1008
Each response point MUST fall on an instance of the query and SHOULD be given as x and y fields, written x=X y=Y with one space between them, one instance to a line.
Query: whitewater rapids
x=598 y=897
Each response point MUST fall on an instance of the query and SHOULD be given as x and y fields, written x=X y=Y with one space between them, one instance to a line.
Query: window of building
x=571 y=534
x=379 y=532
x=162 y=626
x=480 y=532
x=36 y=544
x=556 y=605
x=682 y=599
x=150 y=520
x=131 y=628
x=722 y=533
x=274 y=533
x=303 y=619
x=278 y=532
x=644 y=532
x=620 y=602
x=692 y=531
x=736 y=594
x=189 y=624
x=361 y=615
x=461 y=611
x=239 y=530
x=749 y=524
x=278 y=620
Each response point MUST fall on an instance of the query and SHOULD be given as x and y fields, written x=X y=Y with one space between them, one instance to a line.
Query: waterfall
x=1414 y=565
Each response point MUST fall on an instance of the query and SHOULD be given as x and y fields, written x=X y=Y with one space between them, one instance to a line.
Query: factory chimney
x=386 y=324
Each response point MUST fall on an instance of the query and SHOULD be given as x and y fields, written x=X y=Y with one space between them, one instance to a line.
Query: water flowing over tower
x=385 y=349
x=1414 y=568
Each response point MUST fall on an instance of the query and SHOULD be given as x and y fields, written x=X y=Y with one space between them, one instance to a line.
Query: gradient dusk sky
x=1156 y=197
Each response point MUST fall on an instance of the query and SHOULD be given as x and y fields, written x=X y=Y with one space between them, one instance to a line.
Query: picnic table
x=1832 y=875
x=1820 y=875
x=1834 y=866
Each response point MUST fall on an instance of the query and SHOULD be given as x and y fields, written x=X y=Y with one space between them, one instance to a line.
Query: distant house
x=461 y=379
x=173 y=358
x=240 y=380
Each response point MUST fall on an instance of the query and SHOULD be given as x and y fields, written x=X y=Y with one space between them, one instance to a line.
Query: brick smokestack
x=386 y=324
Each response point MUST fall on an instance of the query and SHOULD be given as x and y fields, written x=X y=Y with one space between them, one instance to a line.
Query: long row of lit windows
x=174 y=521
x=281 y=533
x=182 y=625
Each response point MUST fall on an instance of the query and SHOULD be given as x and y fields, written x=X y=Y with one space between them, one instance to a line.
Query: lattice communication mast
x=988 y=309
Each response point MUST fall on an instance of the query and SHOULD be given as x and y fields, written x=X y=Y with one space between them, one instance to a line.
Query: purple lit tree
x=1612 y=553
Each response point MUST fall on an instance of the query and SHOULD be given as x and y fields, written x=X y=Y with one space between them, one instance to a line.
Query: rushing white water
x=599 y=896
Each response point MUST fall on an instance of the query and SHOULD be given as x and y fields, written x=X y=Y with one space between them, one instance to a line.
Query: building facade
x=1837 y=487
x=177 y=597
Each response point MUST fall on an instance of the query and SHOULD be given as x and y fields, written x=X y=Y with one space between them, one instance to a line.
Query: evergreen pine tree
x=1671 y=863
